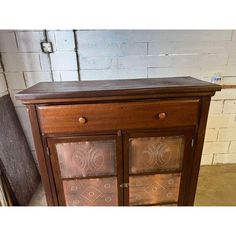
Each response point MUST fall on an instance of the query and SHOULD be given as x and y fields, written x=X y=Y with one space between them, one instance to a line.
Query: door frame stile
x=120 y=172
x=126 y=167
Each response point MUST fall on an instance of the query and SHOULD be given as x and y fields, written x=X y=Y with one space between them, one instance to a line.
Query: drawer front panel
x=113 y=116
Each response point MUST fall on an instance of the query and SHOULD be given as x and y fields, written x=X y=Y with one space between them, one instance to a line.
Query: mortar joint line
x=77 y=53
x=4 y=72
x=213 y=158
x=17 y=43
x=48 y=54
x=24 y=79
x=231 y=37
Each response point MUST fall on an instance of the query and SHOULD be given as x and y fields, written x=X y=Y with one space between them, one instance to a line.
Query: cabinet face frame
x=187 y=162
x=56 y=168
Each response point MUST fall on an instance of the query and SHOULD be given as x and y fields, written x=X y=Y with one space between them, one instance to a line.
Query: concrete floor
x=38 y=198
x=216 y=187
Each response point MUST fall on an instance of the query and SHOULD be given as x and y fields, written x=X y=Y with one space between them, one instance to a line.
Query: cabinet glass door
x=86 y=170
x=154 y=167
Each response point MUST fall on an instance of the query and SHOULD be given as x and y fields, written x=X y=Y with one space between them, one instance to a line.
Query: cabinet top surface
x=102 y=88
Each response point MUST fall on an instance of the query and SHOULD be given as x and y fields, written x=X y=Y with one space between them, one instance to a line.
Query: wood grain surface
x=133 y=115
x=80 y=89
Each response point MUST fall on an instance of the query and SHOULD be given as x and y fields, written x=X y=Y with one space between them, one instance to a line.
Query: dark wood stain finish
x=120 y=110
x=139 y=115
x=205 y=104
x=83 y=89
x=42 y=157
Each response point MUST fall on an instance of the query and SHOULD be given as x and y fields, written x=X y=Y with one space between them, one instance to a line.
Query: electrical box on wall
x=47 y=47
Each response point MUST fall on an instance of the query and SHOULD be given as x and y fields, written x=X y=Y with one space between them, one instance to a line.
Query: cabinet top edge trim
x=115 y=88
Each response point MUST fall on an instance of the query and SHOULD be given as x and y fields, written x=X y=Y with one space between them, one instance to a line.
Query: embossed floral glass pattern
x=153 y=189
x=91 y=192
x=87 y=158
x=150 y=154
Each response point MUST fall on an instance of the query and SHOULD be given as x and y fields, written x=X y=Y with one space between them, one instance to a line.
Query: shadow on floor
x=216 y=187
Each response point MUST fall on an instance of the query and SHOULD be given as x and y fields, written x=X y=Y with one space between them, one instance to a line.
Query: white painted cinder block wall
x=123 y=54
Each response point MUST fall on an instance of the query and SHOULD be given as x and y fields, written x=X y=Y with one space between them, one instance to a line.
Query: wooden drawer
x=113 y=116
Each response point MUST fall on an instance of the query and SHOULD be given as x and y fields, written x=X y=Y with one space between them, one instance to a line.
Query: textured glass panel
x=90 y=158
x=153 y=189
x=91 y=192
x=152 y=154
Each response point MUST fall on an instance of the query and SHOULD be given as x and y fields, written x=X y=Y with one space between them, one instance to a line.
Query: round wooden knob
x=162 y=115
x=82 y=120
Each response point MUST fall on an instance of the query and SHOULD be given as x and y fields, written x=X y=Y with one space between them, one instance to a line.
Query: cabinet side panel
x=51 y=201
x=205 y=103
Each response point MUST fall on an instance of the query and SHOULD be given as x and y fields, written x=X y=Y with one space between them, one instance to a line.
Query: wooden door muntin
x=189 y=134
x=88 y=138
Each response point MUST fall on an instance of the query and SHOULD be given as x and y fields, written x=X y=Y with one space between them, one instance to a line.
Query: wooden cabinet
x=122 y=142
